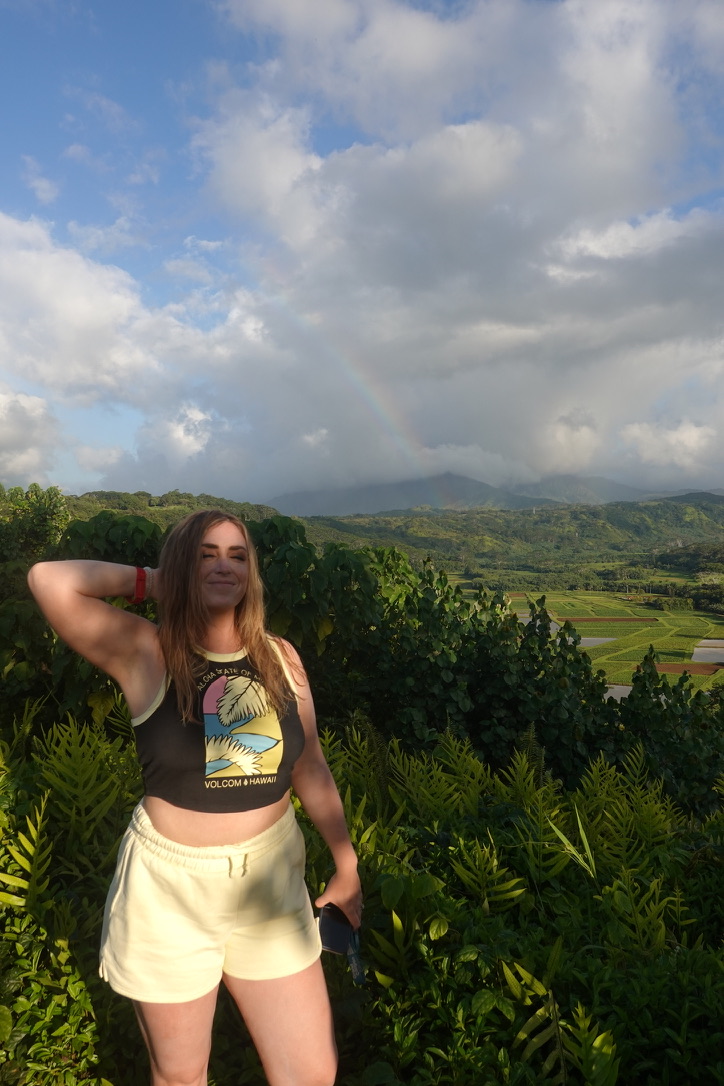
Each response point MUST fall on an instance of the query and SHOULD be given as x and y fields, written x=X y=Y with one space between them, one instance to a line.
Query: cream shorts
x=176 y=917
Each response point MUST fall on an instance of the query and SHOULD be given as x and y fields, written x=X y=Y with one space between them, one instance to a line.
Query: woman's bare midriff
x=199 y=828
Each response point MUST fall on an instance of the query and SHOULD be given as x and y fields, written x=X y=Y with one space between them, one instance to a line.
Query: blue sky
x=254 y=246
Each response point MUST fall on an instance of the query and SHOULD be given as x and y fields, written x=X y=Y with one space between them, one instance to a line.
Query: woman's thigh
x=290 y=1021
x=178 y=1038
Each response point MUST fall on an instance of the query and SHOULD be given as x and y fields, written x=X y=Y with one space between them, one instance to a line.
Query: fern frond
x=23 y=727
x=118 y=720
x=72 y=762
x=517 y=784
x=368 y=763
x=718 y=786
x=638 y=915
x=540 y=848
x=591 y=1052
x=534 y=752
x=432 y=790
x=543 y=1028
x=627 y=816
x=635 y=770
x=599 y=782
x=475 y=778
x=32 y=852
x=489 y=883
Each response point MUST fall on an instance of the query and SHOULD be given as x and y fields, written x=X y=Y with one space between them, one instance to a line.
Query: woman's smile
x=224 y=565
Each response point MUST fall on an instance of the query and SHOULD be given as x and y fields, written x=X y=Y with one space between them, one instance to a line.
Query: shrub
x=404 y=647
x=515 y=931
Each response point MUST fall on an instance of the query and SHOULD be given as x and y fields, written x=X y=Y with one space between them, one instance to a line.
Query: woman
x=209 y=879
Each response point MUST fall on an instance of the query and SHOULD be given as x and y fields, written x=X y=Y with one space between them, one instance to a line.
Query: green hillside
x=163 y=510
x=681 y=533
x=537 y=539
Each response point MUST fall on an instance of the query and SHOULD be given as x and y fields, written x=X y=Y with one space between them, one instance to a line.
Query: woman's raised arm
x=73 y=597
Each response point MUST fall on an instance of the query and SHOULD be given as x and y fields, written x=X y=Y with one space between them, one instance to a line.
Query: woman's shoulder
x=283 y=648
x=290 y=661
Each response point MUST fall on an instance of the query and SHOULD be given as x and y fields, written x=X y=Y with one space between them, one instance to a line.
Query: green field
x=674 y=634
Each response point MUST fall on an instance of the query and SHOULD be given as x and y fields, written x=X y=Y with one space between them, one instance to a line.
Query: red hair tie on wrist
x=140 y=593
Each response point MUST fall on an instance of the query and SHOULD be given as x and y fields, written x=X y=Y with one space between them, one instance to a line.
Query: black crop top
x=239 y=759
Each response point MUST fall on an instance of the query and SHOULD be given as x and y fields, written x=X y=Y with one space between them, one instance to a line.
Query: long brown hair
x=184 y=618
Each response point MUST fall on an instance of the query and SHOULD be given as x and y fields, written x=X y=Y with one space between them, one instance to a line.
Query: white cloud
x=393 y=67
x=81 y=153
x=195 y=244
x=645 y=237
x=45 y=190
x=573 y=441
x=684 y=446
x=112 y=114
x=188 y=269
x=95 y=458
x=148 y=170
x=28 y=436
x=319 y=437
x=68 y=323
x=259 y=154
x=120 y=234
x=184 y=436
x=306 y=18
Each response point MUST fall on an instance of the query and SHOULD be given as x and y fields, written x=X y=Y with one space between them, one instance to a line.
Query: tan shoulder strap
x=281 y=655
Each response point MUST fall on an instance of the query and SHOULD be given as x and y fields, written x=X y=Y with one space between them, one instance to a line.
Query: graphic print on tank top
x=243 y=734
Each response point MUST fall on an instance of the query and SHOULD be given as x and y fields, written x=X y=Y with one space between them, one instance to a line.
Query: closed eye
x=241 y=557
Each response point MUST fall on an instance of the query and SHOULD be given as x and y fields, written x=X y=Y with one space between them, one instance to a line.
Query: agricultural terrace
x=629 y=627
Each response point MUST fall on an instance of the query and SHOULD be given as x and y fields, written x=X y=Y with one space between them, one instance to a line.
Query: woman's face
x=224 y=566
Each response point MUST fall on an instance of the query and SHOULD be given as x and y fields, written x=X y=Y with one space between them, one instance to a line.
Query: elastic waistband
x=211 y=858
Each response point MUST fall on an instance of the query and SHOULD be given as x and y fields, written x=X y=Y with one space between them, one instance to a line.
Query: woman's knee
x=323 y=1075
x=174 y=1074
x=327 y=1078
x=185 y=1078
x=178 y=1039
x=324 y=1072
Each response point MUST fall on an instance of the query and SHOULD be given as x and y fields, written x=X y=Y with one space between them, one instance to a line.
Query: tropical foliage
x=544 y=868
x=515 y=932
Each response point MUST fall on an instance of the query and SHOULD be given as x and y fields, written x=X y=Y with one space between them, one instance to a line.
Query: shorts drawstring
x=232 y=859
x=237 y=865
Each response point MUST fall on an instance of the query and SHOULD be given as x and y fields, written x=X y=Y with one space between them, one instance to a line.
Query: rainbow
x=366 y=388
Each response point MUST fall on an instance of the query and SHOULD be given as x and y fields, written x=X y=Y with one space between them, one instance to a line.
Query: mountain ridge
x=446 y=491
x=451 y=491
